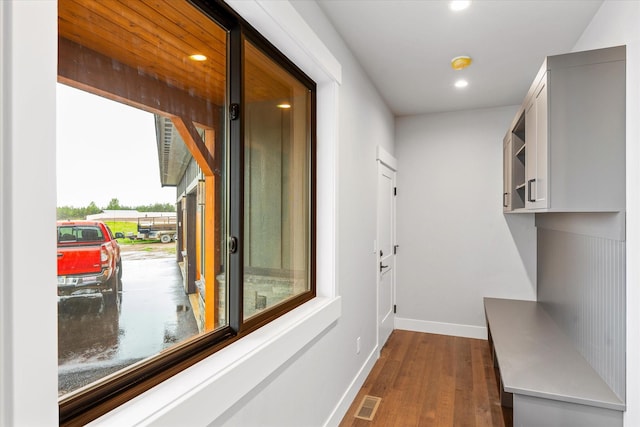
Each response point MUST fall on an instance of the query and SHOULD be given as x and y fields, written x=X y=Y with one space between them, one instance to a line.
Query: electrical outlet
x=358 y=345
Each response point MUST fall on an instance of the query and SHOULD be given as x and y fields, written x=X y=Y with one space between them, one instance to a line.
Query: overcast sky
x=105 y=150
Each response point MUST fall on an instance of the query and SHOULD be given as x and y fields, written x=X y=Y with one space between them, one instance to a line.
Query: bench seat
x=535 y=359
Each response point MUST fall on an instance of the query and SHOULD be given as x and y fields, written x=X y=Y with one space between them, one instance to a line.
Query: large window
x=187 y=141
x=277 y=182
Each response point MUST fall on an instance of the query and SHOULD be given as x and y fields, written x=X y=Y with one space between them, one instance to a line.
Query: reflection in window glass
x=276 y=184
x=138 y=113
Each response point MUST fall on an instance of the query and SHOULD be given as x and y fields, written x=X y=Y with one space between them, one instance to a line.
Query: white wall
x=28 y=337
x=300 y=370
x=456 y=245
x=618 y=23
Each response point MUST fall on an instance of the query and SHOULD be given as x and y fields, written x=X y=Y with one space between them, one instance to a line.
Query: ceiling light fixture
x=460 y=62
x=198 y=57
x=284 y=105
x=461 y=84
x=458 y=5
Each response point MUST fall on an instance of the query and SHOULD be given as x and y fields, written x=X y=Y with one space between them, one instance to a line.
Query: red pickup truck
x=88 y=260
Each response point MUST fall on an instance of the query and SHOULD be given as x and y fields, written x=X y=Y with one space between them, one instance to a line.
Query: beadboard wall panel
x=581 y=284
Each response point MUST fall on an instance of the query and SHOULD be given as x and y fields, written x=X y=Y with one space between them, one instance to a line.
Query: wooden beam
x=194 y=143
x=88 y=70
x=211 y=239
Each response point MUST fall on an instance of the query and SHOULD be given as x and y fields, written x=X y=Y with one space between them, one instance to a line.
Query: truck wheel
x=165 y=238
x=112 y=299
x=119 y=266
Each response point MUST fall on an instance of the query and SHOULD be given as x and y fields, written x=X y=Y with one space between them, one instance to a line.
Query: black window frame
x=105 y=396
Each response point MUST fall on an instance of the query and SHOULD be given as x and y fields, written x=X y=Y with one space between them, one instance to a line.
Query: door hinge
x=234 y=111
x=395 y=191
x=395 y=309
x=395 y=249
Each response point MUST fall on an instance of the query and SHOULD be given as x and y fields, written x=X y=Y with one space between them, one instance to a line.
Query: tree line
x=71 y=212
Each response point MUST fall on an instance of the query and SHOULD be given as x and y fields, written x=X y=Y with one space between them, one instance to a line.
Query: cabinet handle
x=529 y=189
x=504 y=200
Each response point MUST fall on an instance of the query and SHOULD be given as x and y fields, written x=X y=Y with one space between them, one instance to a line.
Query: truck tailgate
x=78 y=260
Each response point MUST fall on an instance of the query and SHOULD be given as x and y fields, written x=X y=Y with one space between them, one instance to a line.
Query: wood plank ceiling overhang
x=150 y=40
x=137 y=52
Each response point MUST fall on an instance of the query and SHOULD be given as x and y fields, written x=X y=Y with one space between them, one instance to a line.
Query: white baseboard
x=350 y=394
x=466 y=331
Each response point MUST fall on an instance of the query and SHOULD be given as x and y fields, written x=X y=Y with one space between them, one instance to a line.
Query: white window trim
x=230 y=374
x=28 y=312
x=222 y=379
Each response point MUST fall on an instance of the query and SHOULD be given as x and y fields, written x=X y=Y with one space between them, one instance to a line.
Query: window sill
x=224 y=378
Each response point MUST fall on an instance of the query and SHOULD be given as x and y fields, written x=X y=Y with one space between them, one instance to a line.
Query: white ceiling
x=406 y=46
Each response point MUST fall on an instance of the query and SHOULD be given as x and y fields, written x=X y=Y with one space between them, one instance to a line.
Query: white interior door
x=386 y=248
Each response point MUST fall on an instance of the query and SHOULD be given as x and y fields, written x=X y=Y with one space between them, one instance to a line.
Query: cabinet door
x=542 y=147
x=507 y=175
x=537 y=161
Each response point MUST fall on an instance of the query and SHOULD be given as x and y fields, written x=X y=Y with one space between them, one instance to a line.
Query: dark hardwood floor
x=432 y=380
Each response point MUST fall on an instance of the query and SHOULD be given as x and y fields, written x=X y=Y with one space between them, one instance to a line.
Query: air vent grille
x=368 y=407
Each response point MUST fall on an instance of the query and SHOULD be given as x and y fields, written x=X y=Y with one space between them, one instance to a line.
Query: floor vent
x=368 y=407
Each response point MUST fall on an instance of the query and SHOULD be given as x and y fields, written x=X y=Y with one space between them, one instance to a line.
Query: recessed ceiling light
x=458 y=5
x=461 y=83
x=198 y=57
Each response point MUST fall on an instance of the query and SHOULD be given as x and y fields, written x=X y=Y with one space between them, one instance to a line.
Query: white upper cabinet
x=567 y=142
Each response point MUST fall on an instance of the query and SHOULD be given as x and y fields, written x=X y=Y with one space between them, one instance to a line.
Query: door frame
x=386 y=159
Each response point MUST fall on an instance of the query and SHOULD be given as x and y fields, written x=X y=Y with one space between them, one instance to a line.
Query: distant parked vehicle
x=161 y=228
x=88 y=260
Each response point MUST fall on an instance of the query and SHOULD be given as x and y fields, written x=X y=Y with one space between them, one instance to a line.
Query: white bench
x=551 y=384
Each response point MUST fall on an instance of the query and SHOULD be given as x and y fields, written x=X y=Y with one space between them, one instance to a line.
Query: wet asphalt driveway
x=96 y=339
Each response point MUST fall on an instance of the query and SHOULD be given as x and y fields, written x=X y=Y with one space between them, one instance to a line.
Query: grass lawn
x=127 y=227
x=123 y=227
